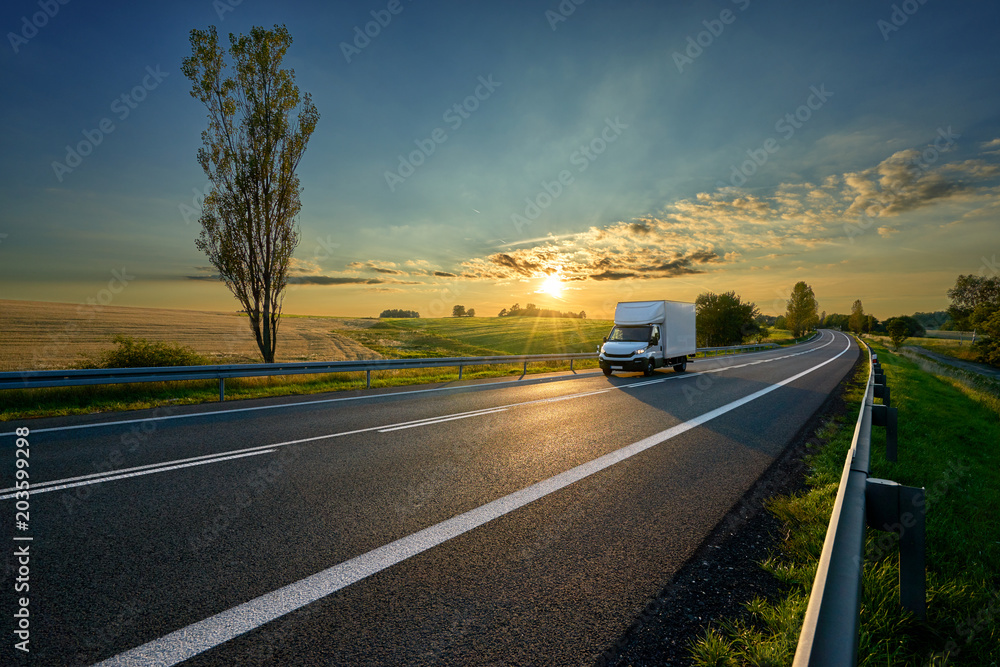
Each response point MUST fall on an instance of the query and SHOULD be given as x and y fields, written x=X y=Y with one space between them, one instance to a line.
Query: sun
x=552 y=286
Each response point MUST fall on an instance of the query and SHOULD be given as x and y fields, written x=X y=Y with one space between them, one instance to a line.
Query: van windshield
x=630 y=334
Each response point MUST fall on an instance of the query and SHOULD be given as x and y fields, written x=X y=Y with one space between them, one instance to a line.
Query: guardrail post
x=571 y=366
x=912 y=545
x=222 y=389
x=882 y=391
x=524 y=371
x=883 y=415
x=368 y=379
x=460 y=371
x=899 y=509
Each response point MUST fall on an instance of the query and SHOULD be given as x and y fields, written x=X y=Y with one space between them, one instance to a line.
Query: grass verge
x=949 y=443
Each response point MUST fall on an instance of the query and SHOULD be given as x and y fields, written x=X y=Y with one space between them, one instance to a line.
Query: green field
x=483 y=336
x=480 y=336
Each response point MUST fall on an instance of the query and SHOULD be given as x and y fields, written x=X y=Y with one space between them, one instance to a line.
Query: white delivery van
x=648 y=335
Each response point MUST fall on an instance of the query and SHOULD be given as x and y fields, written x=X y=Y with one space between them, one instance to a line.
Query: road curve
x=515 y=523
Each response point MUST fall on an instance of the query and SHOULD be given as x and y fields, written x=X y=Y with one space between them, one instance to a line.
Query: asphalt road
x=491 y=523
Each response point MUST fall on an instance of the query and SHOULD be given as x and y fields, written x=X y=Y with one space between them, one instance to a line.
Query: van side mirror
x=605 y=339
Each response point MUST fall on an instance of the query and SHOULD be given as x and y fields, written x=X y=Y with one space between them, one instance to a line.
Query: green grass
x=949 y=443
x=481 y=336
x=950 y=348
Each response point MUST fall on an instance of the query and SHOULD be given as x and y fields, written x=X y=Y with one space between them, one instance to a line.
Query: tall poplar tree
x=250 y=152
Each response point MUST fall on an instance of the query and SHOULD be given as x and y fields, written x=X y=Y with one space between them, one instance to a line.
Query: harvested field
x=40 y=335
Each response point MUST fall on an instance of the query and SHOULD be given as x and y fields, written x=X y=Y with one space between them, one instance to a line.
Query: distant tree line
x=460 y=311
x=396 y=312
x=531 y=310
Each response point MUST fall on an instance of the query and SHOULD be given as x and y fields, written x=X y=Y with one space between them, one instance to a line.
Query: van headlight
x=642 y=351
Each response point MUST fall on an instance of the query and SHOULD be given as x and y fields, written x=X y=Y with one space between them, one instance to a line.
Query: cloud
x=991 y=147
x=588 y=260
x=906 y=181
x=612 y=275
x=711 y=230
x=346 y=280
x=300 y=266
x=333 y=280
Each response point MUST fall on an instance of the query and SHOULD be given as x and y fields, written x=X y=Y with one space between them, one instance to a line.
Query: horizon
x=97 y=307
x=568 y=154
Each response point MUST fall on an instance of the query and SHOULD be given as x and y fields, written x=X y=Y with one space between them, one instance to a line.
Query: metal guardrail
x=830 y=630
x=92 y=376
x=70 y=378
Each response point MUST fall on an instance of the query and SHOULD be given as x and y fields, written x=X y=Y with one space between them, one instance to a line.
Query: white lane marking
x=38 y=485
x=567 y=397
x=344 y=398
x=439 y=420
x=97 y=478
x=198 y=637
x=109 y=478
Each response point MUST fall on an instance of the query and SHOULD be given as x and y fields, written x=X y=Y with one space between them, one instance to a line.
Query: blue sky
x=635 y=149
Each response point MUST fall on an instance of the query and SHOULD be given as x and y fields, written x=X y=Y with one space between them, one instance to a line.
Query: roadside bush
x=129 y=352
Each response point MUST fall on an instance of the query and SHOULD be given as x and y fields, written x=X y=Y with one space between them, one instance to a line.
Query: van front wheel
x=650 y=367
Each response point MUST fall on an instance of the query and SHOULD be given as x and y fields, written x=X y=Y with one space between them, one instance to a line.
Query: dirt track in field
x=38 y=335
